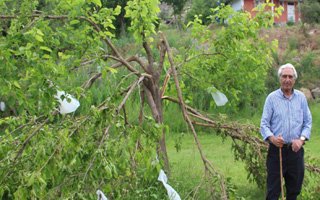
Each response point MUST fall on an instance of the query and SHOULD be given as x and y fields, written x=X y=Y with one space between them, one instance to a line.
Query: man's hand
x=278 y=141
x=296 y=145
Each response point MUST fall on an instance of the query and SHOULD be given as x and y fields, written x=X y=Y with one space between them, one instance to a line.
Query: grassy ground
x=187 y=166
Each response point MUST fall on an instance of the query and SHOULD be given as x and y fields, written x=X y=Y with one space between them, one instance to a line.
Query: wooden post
x=281 y=173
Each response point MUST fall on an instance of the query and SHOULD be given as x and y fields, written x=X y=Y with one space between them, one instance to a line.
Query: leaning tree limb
x=208 y=166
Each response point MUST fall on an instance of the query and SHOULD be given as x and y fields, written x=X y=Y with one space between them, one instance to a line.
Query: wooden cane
x=281 y=173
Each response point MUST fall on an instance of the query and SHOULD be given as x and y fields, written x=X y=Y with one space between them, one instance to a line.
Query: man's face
x=287 y=79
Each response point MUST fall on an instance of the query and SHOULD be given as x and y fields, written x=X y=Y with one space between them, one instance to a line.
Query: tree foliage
x=202 y=9
x=143 y=29
x=178 y=5
x=231 y=59
x=121 y=22
x=310 y=10
x=45 y=155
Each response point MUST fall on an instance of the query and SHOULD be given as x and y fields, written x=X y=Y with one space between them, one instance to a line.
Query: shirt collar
x=283 y=96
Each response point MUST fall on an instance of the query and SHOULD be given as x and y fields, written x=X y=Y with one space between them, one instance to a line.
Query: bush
x=310 y=10
x=201 y=7
x=308 y=71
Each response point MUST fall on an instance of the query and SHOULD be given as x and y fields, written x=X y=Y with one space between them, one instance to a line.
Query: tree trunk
x=155 y=104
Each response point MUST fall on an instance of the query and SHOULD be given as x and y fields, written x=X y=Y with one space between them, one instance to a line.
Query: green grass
x=187 y=167
x=313 y=146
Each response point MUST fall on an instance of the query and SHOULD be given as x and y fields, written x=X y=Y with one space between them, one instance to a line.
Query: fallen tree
x=107 y=144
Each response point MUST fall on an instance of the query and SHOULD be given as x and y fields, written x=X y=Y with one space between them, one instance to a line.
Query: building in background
x=291 y=11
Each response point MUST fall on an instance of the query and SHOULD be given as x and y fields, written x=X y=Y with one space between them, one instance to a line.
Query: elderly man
x=286 y=123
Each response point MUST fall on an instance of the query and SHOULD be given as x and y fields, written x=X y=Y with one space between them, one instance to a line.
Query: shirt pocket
x=298 y=116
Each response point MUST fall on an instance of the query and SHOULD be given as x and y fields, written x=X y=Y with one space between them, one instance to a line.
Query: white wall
x=237 y=4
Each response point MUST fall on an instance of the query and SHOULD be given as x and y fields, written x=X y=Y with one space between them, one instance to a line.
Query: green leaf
x=75 y=21
x=118 y=124
x=46 y=48
x=41 y=180
x=21 y=193
x=1 y=192
x=112 y=26
x=63 y=56
x=15 y=83
x=117 y=10
x=39 y=38
x=46 y=56
x=39 y=32
x=112 y=70
x=96 y=2
x=31 y=179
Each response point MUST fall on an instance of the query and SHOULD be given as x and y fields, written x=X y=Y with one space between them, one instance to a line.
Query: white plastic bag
x=173 y=195
x=219 y=98
x=2 y=106
x=68 y=104
x=101 y=196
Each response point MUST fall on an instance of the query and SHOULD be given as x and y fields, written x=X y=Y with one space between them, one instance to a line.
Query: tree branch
x=208 y=166
x=129 y=92
x=192 y=110
x=162 y=49
x=96 y=76
x=130 y=59
x=35 y=131
x=89 y=82
x=152 y=104
x=104 y=137
x=165 y=83
x=142 y=98
x=149 y=57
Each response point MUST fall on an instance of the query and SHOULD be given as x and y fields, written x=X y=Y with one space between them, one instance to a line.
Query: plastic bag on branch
x=219 y=98
x=173 y=195
x=68 y=104
x=101 y=196
x=2 y=106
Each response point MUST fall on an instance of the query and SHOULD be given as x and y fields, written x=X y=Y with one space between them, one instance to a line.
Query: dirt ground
x=307 y=37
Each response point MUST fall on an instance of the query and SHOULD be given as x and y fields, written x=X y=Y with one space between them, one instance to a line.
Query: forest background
x=145 y=80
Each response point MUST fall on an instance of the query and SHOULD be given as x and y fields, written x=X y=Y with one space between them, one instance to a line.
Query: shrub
x=310 y=10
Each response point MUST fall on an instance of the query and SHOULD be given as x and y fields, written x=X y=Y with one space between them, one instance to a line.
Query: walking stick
x=281 y=173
